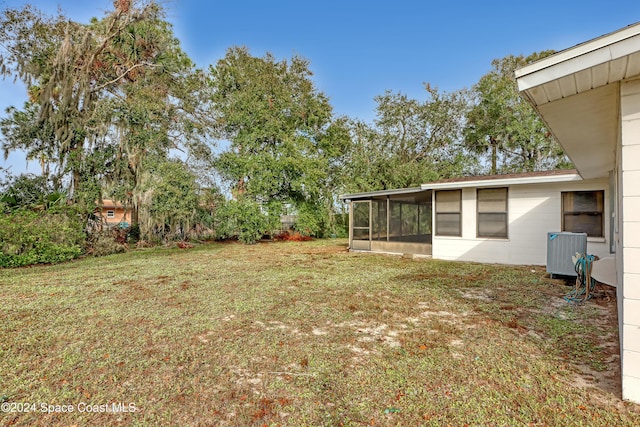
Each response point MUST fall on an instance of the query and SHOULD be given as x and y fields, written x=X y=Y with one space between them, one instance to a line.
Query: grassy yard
x=303 y=334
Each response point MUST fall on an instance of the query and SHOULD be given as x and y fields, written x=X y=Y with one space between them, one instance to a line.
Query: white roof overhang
x=577 y=94
x=484 y=182
x=381 y=193
x=501 y=182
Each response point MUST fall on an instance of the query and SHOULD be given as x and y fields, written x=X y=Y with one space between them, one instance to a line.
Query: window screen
x=493 y=218
x=583 y=212
x=448 y=213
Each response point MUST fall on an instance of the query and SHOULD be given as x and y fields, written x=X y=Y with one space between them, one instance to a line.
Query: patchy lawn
x=303 y=334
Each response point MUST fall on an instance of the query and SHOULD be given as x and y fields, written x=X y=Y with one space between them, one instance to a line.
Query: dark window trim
x=601 y=213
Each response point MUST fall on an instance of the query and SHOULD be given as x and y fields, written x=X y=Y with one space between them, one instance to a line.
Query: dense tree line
x=117 y=110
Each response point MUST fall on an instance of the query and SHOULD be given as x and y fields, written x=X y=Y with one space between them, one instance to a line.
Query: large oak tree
x=504 y=128
x=283 y=139
x=410 y=142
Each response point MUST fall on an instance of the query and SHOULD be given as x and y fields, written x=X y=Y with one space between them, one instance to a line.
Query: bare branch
x=121 y=76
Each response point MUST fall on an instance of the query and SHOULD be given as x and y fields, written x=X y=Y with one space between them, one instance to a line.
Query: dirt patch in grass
x=305 y=333
x=584 y=334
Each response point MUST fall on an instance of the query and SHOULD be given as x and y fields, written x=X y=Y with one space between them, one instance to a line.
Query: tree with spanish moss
x=102 y=96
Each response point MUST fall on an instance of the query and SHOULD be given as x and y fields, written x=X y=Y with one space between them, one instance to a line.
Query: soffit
x=577 y=94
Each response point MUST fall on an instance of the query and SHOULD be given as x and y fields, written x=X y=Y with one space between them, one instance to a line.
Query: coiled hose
x=585 y=284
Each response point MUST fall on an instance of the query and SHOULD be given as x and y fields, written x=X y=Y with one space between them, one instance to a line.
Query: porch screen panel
x=448 y=213
x=361 y=220
x=395 y=220
x=492 y=212
x=379 y=220
x=583 y=212
x=410 y=221
x=424 y=224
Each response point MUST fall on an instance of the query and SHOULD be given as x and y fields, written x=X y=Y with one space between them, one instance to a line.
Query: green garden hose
x=585 y=284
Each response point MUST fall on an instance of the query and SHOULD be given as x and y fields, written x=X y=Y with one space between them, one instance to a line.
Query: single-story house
x=589 y=98
x=496 y=219
x=113 y=213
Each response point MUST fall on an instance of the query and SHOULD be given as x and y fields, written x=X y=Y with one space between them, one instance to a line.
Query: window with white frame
x=493 y=215
x=111 y=214
x=583 y=212
x=449 y=213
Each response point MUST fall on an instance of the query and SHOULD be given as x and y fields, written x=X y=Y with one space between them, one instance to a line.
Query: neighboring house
x=114 y=213
x=496 y=219
x=589 y=98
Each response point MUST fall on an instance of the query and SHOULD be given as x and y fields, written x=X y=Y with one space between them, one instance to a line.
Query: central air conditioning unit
x=561 y=247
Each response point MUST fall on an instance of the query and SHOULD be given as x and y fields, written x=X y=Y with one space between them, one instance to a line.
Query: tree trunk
x=75 y=185
x=75 y=157
x=494 y=157
x=134 y=214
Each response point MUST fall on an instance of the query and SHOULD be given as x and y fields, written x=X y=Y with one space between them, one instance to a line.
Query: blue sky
x=359 y=49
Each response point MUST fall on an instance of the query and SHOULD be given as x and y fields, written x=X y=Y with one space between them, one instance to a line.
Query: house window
x=583 y=212
x=493 y=220
x=449 y=213
x=111 y=214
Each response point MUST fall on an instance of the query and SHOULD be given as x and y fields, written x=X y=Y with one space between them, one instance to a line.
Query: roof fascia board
x=380 y=193
x=565 y=68
x=599 y=44
x=502 y=182
x=466 y=184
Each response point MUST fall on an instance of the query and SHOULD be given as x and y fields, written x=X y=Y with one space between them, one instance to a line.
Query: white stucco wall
x=534 y=210
x=629 y=168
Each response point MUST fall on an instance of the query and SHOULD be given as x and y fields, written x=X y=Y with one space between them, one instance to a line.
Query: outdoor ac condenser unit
x=560 y=248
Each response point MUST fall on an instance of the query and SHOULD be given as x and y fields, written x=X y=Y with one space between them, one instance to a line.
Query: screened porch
x=398 y=221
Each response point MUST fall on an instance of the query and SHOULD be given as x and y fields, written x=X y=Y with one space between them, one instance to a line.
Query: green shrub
x=133 y=235
x=242 y=219
x=310 y=220
x=108 y=242
x=39 y=237
x=341 y=225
